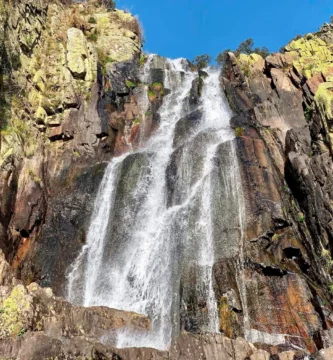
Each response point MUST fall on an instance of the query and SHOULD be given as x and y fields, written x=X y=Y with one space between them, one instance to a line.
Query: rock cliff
x=282 y=112
x=70 y=99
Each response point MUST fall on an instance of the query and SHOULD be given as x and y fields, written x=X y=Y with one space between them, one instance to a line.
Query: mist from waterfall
x=156 y=217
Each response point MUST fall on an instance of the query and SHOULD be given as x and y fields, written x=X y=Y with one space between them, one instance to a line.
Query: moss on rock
x=15 y=314
x=313 y=56
x=324 y=99
x=250 y=64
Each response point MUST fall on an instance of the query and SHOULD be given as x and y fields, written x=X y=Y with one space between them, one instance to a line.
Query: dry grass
x=77 y=21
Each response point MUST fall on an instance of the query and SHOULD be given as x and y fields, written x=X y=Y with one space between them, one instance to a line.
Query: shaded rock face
x=282 y=122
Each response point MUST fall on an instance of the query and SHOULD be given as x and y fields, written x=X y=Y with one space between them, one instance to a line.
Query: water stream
x=157 y=215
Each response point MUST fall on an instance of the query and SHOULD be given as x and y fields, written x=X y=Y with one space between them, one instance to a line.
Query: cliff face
x=66 y=70
x=71 y=99
x=282 y=120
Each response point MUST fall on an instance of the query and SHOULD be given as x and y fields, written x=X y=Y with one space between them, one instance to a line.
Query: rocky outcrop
x=282 y=111
x=37 y=325
x=70 y=71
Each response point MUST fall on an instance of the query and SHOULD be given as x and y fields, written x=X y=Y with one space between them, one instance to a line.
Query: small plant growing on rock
x=103 y=60
x=308 y=113
x=92 y=20
x=152 y=96
x=108 y=4
x=157 y=86
x=143 y=59
x=22 y=332
x=137 y=121
x=326 y=260
x=301 y=217
x=75 y=20
x=92 y=37
x=239 y=131
x=130 y=84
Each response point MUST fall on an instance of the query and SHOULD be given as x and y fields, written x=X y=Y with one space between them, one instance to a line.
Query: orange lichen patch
x=285 y=308
x=21 y=252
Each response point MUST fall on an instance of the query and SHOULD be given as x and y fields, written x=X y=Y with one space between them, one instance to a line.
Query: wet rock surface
x=37 y=325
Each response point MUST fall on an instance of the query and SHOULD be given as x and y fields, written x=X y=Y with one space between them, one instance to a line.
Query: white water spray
x=142 y=241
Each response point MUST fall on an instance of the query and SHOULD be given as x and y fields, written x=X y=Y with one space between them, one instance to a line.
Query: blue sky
x=186 y=28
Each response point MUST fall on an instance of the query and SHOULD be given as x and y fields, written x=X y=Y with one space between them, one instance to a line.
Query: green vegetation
x=310 y=67
x=92 y=37
x=15 y=306
x=151 y=95
x=76 y=154
x=22 y=332
x=202 y=61
x=110 y=5
x=245 y=47
x=34 y=177
x=130 y=84
x=326 y=260
x=143 y=59
x=158 y=86
x=239 y=131
x=308 y=113
x=301 y=217
x=92 y=20
x=103 y=59
x=331 y=288
x=137 y=120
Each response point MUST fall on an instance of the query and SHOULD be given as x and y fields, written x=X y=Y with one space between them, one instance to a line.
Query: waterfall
x=157 y=215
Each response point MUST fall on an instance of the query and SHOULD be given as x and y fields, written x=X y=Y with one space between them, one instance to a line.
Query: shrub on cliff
x=222 y=57
x=245 y=47
x=109 y=4
x=202 y=61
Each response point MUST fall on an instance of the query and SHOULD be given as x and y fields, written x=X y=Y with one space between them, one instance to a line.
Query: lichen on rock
x=15 y=312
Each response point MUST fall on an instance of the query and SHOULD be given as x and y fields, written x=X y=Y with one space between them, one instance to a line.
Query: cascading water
x=156 y=218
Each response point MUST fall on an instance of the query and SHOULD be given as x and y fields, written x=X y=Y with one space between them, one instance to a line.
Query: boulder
x=77 y=53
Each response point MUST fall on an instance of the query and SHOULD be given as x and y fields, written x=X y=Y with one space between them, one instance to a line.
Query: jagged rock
x=275 y=114
x=77 y=53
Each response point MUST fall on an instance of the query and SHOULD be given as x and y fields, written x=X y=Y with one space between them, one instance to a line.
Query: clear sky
x=186 y=28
